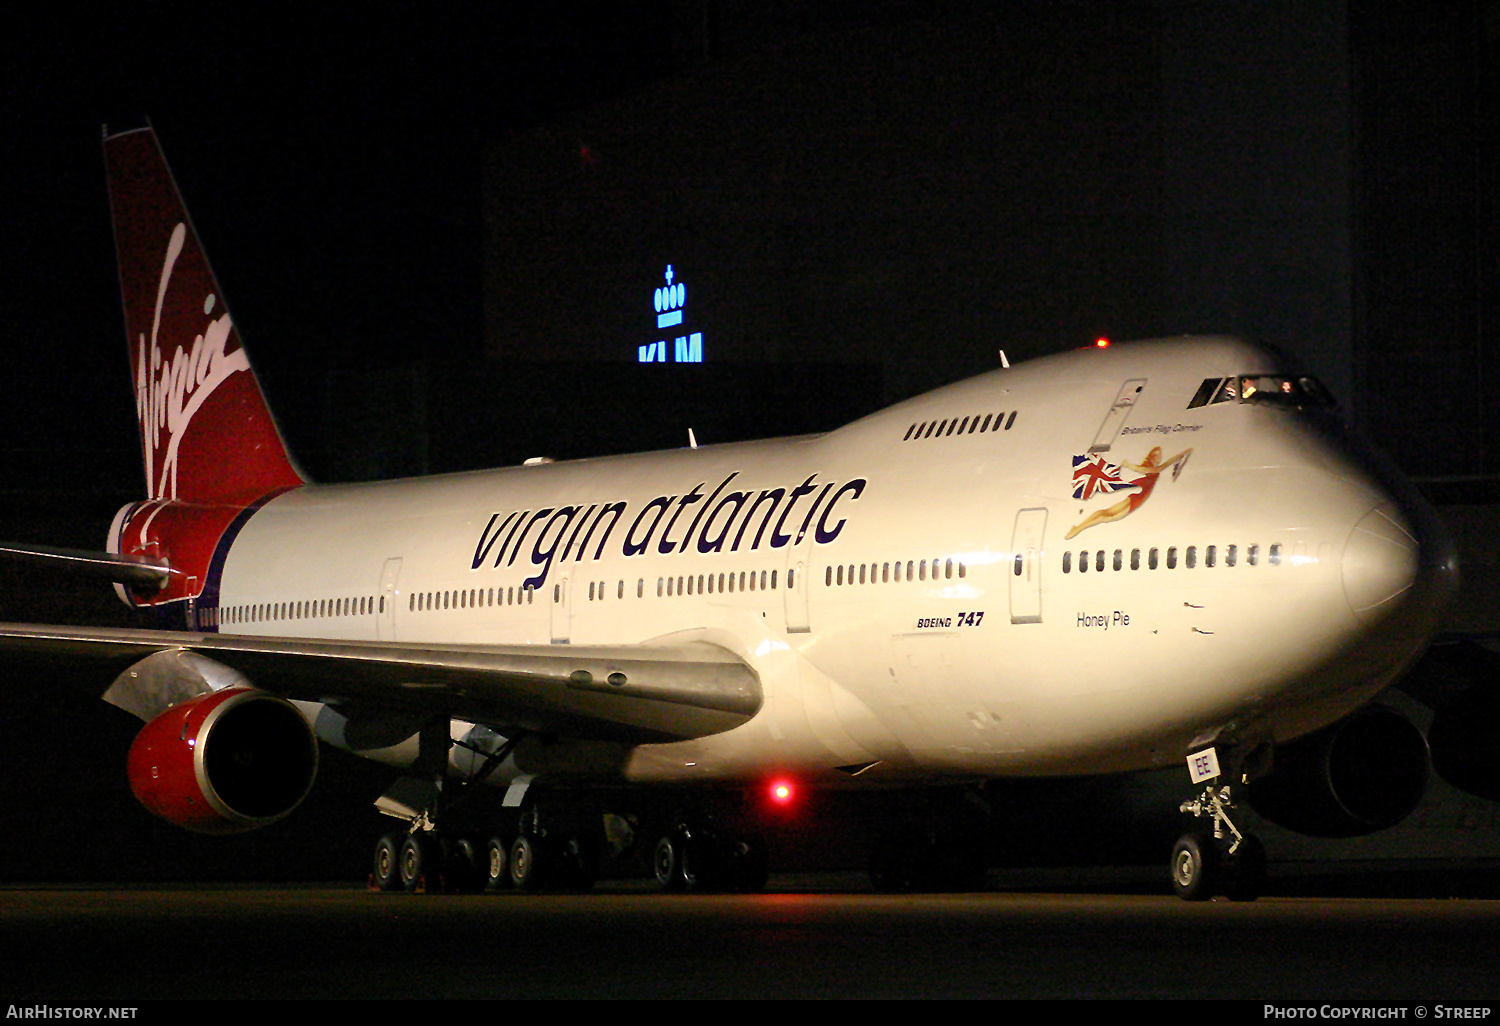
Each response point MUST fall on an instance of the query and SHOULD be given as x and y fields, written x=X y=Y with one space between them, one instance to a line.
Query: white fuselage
x=905 y=599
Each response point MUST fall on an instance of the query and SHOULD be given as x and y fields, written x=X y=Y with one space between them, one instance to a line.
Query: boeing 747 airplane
x=1157 y=553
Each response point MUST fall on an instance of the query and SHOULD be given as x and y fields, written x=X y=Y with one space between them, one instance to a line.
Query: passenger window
x=1172 y=557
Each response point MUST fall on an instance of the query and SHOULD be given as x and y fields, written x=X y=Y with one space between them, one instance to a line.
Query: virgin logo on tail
x=170 y=390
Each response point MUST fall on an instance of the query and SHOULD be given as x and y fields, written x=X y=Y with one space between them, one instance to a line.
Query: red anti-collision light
x=782 y=792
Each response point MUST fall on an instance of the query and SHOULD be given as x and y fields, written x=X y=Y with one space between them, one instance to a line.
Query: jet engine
x=1362 y=774
x=1457 y=681
x=224 y=762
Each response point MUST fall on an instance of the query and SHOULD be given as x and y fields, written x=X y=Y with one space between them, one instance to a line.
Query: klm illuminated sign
x=669 y=301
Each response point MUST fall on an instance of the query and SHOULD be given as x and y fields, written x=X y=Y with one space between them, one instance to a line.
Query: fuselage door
x=1115 y=418
x=796 y=596
x=1026 y=566
x=385 y=610
x=562 y=608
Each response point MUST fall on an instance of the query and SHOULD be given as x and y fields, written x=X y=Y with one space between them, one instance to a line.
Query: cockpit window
x=1272 y=389
x=1277 y=390
x=1205 y=392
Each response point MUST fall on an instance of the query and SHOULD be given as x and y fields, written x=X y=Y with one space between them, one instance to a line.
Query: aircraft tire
x=528 y=864
x=748 y=866
x=667 y=863
x=385 y=875
x=1195 y=867
x=497 y=865
x=421 y=864
x=462 y=868
x=576 y=864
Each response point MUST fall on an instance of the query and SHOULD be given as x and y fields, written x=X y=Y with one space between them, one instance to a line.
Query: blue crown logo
x=669 y=302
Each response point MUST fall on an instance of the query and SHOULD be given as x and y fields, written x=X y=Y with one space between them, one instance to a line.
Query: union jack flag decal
x=1091 y=474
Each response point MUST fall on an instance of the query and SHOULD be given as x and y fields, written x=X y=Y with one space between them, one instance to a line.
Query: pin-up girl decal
x=1150 y=469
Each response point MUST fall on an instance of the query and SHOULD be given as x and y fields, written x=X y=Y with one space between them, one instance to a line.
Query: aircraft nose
x=1385 y=558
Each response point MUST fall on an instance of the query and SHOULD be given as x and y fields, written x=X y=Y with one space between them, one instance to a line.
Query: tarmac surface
x=822 y=937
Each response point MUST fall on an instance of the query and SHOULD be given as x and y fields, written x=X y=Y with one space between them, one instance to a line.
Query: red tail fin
x=207 y=435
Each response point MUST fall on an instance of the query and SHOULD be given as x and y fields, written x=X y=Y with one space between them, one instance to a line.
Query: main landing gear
x=1219 y=859
x=423 y=860
x=554 y=840
x=700 y=853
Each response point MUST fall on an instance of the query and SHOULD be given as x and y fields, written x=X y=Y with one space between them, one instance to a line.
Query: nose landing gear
x=1220 y=860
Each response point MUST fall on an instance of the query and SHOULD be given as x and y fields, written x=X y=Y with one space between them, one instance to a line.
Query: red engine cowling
x=225 y=762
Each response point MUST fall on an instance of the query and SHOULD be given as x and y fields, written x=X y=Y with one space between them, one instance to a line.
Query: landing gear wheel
x=527 y=864
x=666 y=863
x=461 y=867
x=497 y=863
x=386 y=872
x=1246 y=870
x=576 y=866
x=421 y=863
x=1195 y=865
x=747 y=866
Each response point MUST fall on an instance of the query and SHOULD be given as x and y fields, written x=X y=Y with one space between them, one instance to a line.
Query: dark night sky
x=331 y=165
x=334 y=165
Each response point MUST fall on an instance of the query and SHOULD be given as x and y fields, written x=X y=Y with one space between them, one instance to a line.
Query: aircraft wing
x=635 y=694
x=137 y=571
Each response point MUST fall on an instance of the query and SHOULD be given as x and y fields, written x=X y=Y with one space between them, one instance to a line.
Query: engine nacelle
x=1463 y=738
x=1363 y=774
x=225 y=762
